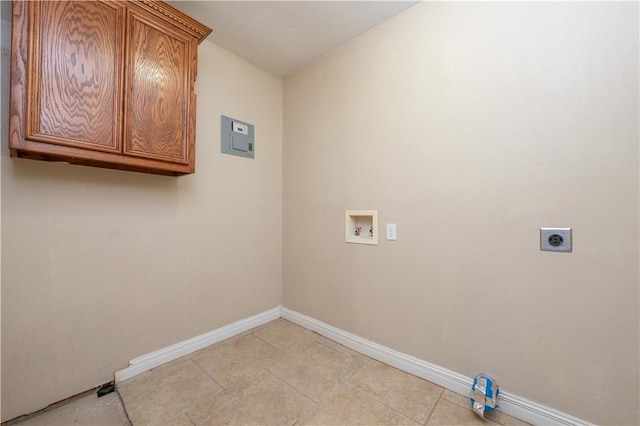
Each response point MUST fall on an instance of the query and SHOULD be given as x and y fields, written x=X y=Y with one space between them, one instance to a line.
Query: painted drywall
x=472 y=125
x=102 y=266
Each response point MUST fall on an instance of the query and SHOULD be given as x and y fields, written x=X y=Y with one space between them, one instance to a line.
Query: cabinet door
x=74 y=93
x=161 y=62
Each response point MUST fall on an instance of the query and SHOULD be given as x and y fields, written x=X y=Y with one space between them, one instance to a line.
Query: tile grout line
x=434 y=407
x=341 y=382
x=388 y=406
x=298 y=358
x=190 y=419
x=208 y=375
x=286 y=383
x=294 y=358
x=383 y=403
x=344 y=353
x=282 y=356
x=270 y=344
x=316 y=403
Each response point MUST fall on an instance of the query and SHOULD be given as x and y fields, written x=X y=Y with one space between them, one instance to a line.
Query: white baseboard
x=513 y=405
x=170 y=353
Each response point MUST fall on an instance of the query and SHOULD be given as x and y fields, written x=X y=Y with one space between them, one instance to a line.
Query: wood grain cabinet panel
x=75 y=71
x=159 y=82
x=104 y=83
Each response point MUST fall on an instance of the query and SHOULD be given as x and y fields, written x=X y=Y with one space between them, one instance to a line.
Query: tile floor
x=283 y=374
x=83 y=410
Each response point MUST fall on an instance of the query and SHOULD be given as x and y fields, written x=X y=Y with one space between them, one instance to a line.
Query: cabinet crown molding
x=201 y=31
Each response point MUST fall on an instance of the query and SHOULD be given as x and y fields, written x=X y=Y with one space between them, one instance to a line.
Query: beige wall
x=472 y=125
x=469 y=125
x=102 y=266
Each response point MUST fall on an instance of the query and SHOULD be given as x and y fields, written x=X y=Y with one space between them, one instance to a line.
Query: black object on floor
x=106 y=389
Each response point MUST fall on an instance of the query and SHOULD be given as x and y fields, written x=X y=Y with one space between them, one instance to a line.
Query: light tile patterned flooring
x=283 y=374
x=276 y=374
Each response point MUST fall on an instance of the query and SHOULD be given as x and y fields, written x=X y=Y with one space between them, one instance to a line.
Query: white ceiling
x=286 y=36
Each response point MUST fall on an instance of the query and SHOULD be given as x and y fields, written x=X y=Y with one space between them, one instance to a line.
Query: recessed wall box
x=361 y=226
x=236 y=137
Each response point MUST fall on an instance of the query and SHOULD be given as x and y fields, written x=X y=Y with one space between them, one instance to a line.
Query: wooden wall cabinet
x=104 y=83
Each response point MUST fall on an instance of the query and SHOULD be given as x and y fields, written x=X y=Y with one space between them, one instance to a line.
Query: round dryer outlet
x=555 y=239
